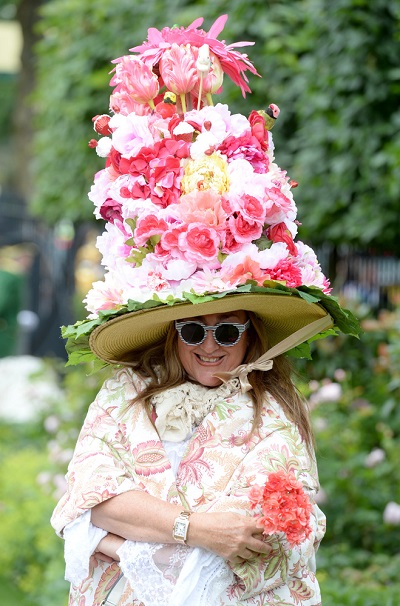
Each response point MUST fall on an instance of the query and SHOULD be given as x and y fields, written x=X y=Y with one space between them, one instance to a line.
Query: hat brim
x=131 y=332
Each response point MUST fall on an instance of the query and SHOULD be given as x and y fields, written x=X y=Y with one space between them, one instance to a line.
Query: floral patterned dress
x=119 y=450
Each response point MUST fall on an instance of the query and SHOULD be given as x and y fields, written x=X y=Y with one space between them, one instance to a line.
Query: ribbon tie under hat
x=265 y=362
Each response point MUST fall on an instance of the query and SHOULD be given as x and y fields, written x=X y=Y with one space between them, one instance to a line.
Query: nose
x=209 y=344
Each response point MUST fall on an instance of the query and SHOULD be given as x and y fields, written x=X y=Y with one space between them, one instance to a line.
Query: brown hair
x=161 y=364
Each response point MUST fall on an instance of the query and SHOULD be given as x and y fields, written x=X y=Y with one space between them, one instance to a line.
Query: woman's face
x=202 y=361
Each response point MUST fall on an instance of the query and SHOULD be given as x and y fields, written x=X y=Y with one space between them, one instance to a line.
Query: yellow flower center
x=209 y=172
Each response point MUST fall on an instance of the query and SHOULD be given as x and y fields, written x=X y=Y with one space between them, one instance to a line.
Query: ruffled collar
x=180 y=409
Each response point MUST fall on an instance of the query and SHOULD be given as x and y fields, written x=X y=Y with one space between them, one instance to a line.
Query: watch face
x=180 y=528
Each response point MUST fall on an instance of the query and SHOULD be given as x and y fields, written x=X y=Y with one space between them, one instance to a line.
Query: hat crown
x=193 y=199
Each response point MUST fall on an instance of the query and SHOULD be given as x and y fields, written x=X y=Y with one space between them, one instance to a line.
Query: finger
x=236 y=560
x=103 y=557
x=260 y=546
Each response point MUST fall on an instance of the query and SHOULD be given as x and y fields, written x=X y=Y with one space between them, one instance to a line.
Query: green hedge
x=353 y=388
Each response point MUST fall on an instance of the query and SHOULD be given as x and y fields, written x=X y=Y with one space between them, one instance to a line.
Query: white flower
x=27 y=387
x=204 y=142
x=183 y=128
x=339 y=374
x=132 y=133
x=178 y=269
x=391 y=514
x=99 y=191
x=51 y=424
x=103 y=147
x=320 y=424
x=270 y=257
x=330 y=392
x=376 y=456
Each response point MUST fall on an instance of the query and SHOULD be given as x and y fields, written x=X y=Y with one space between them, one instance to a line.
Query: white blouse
x=161 y=574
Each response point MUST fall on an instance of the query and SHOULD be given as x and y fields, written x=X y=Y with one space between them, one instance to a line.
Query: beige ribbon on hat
x=265 y=362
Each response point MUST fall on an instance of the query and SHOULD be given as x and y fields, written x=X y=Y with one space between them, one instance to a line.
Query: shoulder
x=119 y=389
x=273 y=410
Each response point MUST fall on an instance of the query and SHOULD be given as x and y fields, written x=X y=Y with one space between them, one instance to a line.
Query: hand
x=106 y=550
x=230 y=535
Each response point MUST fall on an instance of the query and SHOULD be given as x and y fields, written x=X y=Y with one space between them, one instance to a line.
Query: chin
x=212 y=382
x=207 y=380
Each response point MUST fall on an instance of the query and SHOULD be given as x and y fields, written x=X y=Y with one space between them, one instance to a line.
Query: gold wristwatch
x=181 y=526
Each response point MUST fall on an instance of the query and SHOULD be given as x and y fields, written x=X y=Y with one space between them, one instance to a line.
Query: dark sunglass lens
x=227 y=334
x=192 y=333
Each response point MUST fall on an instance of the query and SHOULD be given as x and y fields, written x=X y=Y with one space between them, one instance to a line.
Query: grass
x=11 y=596
x=337 y=593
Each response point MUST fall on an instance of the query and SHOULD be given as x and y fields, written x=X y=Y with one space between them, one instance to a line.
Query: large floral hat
x=199 y=217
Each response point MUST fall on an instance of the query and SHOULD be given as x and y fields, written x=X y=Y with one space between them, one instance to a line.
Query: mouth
x=209 y=360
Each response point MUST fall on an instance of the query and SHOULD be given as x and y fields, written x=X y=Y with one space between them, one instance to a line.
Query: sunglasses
x=226 y=334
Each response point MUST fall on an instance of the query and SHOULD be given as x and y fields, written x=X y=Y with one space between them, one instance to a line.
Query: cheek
x=240 y=352
x=183 y=353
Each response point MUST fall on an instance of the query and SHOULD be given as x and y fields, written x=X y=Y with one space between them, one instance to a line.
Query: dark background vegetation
x=333 y=68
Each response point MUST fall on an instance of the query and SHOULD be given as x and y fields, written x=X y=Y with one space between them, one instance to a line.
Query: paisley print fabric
x=119 y=450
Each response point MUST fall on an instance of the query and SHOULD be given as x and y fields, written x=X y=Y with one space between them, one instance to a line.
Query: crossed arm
x=138 y=516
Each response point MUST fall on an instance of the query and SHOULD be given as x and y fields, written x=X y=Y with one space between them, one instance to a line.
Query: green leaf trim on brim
x=77 y=335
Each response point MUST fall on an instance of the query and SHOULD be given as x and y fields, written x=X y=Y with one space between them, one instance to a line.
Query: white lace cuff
x=81 y=539
x=165 y=575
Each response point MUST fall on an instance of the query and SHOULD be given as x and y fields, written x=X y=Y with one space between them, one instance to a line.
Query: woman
x=223 y=443
x=204 y=290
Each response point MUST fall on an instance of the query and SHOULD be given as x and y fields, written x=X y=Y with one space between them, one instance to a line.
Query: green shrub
x=357 y=424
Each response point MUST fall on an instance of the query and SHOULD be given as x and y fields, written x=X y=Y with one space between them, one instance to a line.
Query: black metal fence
x=362 y=276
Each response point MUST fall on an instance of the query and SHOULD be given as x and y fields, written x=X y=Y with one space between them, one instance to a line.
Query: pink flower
x=233 y=63
x=282 y=506
x=247 y=147
x=178 y=69
x=258 y=129
x=200 y=243
x=137 y=189
x=250 y=208
x=278 y=205
x=139 y=164
x=101 y=124
x=166 y=171
x=122 y=103
x=147 y=226
x=244 y=231
x=131 y=134
x=203 y=207
x=112 y=244
x=111 y=210
x=170 y=238
x=287 y=272
x=136 y=79
x=280 y=233
x=230 y=244
x=104 y=295
x=240 y=272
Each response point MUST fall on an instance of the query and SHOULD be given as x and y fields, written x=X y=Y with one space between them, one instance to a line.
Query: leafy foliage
x=31 y=553
x=331 y=66
x=357 y=424
x=358 y=560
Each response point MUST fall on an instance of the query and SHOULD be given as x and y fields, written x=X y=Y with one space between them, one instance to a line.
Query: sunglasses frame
x=240 y=327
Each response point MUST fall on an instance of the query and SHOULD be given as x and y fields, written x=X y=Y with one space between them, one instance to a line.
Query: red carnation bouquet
x=282 y=506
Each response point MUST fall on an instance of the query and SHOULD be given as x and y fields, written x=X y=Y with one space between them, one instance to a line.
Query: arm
x=107 y=549
x=138 y=516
